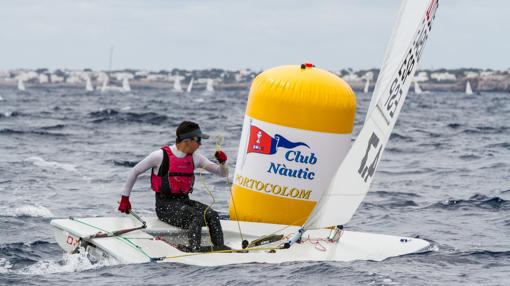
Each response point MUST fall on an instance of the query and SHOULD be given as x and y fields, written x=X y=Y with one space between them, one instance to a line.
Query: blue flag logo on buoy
x=263 y=143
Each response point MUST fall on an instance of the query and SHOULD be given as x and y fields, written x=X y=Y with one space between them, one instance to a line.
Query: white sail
x=177 y=84
x=190 y=86
x=88 y=85
x=209 y=87
x=417 y=88
x=21 y=85
x=125 y=85
x=354 y=176
x=469 y=91
x=104 y=87
x=367 y=86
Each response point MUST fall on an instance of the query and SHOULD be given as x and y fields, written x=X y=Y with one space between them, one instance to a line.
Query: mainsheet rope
x=126 y=240
x=219 y=142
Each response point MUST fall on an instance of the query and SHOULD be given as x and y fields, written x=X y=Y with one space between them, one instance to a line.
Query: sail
x=417 y=88
x=177 y=84
x=104 y=87
x=354 y=176
x=21 y=85
x=190 y=86
x=88 y=85
x=367 y=86
x=209 y=87
x=125 y=85
x=469 y=91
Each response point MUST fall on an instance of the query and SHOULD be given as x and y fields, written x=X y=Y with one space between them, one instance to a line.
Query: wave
x=486 y=254
x=408 y=171
x=469 y=157
x=487 y=130
x=10 y=114
x=397 y=137
x=26 y=211
x=393 y=194
x=40 y=162
x=476 y=201
x=53 y=127
x=454 y=125
x=112 y=115
x=504 y=145
x=429 y=133
x=124 y=163
x=8 y=131
x=69 y=263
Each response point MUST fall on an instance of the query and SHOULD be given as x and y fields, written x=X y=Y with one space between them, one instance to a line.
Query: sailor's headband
x=194 y=133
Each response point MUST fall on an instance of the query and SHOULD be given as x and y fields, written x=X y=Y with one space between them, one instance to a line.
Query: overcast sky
x=235 y=34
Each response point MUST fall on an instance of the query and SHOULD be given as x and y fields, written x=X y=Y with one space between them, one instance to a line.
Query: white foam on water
x=126 y=108
x=40 y=162
x=5 y=266
x=26 y=210
x=1 y=98
x=7 y=113
x=70 y=263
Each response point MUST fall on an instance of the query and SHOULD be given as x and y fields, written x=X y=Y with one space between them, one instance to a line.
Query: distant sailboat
x=190 y=85
x=125 y=85
x=104 y=87
x=209 y=88
x=469 y=91
x=21 y=85
x=367 y=86
x=177 y=84
x=417 y=89
x=88 y=85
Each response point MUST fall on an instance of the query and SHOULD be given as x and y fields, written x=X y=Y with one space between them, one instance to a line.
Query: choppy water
x=445 y=177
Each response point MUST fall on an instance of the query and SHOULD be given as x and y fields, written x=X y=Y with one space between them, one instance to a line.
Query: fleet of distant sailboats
x=105 y=87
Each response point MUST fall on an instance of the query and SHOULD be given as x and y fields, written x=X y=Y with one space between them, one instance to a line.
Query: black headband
x=191 y=134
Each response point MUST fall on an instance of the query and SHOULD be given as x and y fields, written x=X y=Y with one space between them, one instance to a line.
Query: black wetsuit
x=181 y=211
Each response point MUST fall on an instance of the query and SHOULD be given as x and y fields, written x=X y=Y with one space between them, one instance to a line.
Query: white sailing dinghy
x=190 y=86
x=130 y=239
x=469 y=90
x=367 y=86
x=417 y=89
x=105 y=87
x=88 y=85
x=177 y=84
x=125 y=85
x=21 y=85
x=209 y=88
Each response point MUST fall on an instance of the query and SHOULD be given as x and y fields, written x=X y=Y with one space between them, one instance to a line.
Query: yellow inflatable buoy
x=297 y=130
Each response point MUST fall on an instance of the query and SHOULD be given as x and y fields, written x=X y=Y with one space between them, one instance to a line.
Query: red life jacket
x=175 y=175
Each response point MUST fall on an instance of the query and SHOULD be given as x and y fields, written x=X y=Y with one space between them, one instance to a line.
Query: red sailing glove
x=125 y=205
x=220 y=156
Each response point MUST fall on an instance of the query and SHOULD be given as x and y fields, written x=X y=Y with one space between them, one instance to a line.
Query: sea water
x=444 y=177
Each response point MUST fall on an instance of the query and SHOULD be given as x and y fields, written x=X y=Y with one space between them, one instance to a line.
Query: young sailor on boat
x=172 y=179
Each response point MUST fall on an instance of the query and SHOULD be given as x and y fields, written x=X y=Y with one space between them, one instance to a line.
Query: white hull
x=314 y=247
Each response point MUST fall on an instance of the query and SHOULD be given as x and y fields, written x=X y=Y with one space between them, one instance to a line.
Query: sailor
x=172 y=180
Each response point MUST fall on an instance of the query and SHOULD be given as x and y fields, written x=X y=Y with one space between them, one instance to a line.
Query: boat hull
x=157 y=243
